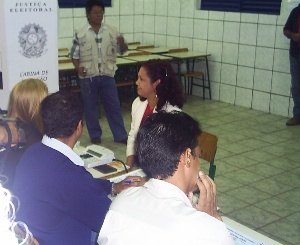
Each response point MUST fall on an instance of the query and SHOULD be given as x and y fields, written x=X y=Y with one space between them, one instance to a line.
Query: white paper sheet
x=242 y=239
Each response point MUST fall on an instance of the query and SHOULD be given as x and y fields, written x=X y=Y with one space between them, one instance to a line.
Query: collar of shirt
x=164 y=189
x=102 y=27
x=63 y=148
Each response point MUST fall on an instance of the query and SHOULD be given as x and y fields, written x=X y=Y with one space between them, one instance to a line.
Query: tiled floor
x=258 y=165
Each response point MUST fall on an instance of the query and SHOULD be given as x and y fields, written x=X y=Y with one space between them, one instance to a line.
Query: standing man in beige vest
x=94 y=54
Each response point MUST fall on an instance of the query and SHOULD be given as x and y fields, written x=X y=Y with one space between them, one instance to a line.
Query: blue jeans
x=295 y=89
x=104 y=86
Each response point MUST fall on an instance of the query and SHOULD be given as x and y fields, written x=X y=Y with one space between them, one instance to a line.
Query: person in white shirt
x=163 y=211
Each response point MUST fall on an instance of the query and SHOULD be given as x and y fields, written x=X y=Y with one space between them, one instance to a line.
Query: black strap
x=7 y=146
x=9 y=135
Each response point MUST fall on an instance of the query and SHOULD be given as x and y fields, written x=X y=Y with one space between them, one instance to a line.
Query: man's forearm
x=287 y=33
x=123 y=47
x=122 y=44
x=295 y=36
x=76 y=64
x=81 y=71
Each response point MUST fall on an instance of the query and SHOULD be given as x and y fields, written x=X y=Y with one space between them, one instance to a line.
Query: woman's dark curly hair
x=170 y=88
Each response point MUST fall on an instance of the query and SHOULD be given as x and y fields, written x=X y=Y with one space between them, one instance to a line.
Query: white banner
x=28 y=44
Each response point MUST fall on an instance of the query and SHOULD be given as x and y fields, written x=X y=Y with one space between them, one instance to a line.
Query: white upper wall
x=249 y=63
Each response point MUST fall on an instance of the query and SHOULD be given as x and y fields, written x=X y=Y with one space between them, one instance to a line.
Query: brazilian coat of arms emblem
x=32 y=39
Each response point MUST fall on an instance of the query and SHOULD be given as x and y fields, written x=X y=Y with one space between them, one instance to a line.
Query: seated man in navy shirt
x=61 y=202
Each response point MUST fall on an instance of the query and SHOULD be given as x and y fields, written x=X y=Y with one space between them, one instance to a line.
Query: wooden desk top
x=135 y=46
x=187 y=54
x=64 y=52
x=155 y=50
x=64 y=60
x=68 y=65
x=123 y=61
x=65 y=66
x=127 y=53
x=142 y=58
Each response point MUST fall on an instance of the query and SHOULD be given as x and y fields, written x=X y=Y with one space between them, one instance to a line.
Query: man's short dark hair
x=161 y=140
x=61 y=113
x=91 y=3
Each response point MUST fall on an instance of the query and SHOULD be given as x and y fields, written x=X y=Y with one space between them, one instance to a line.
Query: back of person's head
x=91 y=3
x=25 y=100
x=170 y=88
x=162 y=138
x=61 y=113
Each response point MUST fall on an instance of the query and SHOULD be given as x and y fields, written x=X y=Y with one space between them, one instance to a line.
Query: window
x=78 y=3
x=244 y=6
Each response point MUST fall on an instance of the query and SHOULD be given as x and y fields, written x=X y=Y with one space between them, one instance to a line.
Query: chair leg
x=209 y=90
x=203 y=82
x=185 y=86
x=212 y=170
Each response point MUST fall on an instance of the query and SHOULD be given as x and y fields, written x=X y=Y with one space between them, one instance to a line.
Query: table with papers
x=243 y=235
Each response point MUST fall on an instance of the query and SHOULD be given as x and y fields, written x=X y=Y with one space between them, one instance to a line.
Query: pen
x=129 y=181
